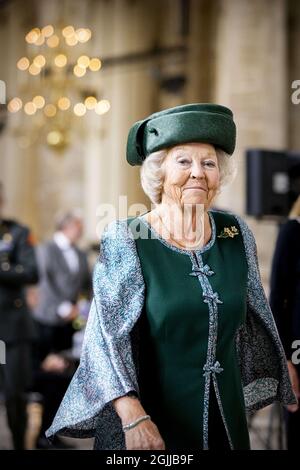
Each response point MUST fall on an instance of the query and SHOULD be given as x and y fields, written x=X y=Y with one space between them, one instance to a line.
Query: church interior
x=76 y=74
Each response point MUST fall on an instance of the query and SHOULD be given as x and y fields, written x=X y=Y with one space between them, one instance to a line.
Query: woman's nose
x=197 y=171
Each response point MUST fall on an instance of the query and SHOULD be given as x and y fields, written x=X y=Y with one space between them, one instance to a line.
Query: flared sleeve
x=107 y=369
x=262 y=359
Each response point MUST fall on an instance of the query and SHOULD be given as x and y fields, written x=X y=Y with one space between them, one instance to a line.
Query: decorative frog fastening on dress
x=201 y=270
x=212 y=368
x=214 y=296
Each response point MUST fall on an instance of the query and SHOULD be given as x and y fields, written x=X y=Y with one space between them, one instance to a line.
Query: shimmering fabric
x=262 y=358
x=107 y=368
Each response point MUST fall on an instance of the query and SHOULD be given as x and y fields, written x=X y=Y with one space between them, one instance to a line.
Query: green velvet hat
x=199 y=122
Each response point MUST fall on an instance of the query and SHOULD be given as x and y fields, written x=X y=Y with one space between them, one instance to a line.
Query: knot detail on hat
x=152 y=130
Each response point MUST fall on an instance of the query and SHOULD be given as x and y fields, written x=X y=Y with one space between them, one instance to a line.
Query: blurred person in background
x=18 y=268
x=285 y=304
x=64 y=288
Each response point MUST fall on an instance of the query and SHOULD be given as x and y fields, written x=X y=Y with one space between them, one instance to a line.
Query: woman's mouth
x=197 y=188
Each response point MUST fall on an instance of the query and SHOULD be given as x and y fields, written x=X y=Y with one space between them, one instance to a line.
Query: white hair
x=152 y=173
x=63 y=218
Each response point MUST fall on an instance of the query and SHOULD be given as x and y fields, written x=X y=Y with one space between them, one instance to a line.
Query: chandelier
x=56 y=87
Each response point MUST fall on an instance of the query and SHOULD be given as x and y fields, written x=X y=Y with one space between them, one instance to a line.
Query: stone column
x=202 y=50
x=121 y=28
x=251 y=78
x=294 y=72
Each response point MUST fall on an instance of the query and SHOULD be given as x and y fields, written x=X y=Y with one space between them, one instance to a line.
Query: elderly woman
x=180 y=340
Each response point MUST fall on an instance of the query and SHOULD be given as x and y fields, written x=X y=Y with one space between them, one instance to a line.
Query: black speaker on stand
x=272 y=182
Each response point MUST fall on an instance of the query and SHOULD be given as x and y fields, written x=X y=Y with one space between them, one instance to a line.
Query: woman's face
x=192 y=174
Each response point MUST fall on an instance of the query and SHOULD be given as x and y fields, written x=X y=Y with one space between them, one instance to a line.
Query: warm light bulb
x=68 y=31
x=50 y=110
x=83 y=61
x=79 y=109
x=60 y=60
x=102 y=107
x=14 y=105
x=34 y=70
x=72 y=40
x=23 y=63
x=39 y=61
x=39 y=101
x=30 y=108
x=47 y=31
x=79 y=71
x=40 y=40
x=90 y=102
x=32 y=36
x=54 y=137
x=53 y=41
x=63 y=103
x=83 y=34
x=95 y=65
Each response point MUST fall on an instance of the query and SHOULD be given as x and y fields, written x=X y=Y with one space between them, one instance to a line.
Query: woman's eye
x=184 y=161
x=210 y=164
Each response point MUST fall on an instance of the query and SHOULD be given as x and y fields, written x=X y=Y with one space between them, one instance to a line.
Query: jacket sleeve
x=263 y=363
x=54 y=287
x=107 y=369
x=23 y=269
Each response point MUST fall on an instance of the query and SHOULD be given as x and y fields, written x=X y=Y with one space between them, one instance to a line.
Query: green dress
x=195 y=302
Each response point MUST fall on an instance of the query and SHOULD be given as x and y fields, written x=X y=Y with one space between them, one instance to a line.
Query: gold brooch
x=229 y=232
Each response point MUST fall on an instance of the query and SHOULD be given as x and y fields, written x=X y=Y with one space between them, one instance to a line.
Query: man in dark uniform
x=18 y=268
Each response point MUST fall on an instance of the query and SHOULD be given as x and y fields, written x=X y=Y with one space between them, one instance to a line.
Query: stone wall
x=240 y=53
